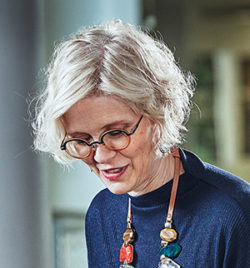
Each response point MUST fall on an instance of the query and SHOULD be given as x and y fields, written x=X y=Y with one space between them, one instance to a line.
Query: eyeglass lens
x=116 y=140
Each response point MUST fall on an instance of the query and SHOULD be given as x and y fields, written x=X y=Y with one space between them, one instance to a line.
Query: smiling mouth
x=113 y=173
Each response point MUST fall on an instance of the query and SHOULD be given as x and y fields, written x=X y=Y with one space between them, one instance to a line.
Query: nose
x=102 y=154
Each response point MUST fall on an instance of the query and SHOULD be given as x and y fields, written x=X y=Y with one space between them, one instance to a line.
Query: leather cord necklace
x=170 y=249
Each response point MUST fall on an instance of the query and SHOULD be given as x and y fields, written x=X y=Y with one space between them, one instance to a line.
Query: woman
x=116 y=100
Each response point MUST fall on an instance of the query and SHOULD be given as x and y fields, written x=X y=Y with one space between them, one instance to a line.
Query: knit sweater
x=211 y=216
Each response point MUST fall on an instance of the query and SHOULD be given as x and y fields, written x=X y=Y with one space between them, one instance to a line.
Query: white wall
x=24 y=220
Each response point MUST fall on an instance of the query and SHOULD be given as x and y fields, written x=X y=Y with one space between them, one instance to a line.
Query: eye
x=87 y=139
x=115 y=133
x=79 y=142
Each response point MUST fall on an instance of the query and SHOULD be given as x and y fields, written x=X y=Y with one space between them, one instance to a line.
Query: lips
x=113 y=173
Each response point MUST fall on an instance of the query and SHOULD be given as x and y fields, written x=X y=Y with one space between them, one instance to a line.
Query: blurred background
x=42 y=206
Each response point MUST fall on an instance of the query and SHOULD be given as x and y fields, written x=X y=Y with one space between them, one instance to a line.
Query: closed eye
x=80 y=141
x=115 y=133
x=84 y=138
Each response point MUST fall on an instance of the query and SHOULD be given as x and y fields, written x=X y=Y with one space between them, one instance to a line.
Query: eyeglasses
x=115 y=139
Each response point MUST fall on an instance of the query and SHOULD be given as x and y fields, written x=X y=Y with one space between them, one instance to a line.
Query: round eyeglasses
x=115 y=139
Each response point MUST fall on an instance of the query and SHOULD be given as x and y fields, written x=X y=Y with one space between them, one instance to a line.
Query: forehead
x=94 y=112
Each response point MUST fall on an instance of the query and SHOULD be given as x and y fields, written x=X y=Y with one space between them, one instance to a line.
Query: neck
x=163 y=172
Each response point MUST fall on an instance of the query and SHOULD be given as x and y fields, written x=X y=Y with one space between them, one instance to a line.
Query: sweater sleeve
x=98 y=246
x=88 y=231
x=95 y=237
x=237 y=250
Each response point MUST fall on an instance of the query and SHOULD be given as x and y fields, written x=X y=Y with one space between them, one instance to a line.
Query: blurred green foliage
x=201 y=137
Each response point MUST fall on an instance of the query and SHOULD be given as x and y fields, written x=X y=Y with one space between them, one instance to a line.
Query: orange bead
x=126 y=253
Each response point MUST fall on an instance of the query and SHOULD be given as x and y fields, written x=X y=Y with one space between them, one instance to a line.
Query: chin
x=117 y=190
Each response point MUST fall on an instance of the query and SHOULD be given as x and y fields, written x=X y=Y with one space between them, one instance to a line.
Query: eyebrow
x=105 y=128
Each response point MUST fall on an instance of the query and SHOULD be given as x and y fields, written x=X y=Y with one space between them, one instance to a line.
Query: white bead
x=168 y=263
x=164 y=243
x=168 y=224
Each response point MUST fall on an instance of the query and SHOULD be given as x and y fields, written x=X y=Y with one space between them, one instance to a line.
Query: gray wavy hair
x=114 y=59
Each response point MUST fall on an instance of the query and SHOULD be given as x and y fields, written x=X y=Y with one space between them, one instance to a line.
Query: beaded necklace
x=170 y=249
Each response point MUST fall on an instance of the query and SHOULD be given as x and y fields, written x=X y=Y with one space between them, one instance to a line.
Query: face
x=131 y=170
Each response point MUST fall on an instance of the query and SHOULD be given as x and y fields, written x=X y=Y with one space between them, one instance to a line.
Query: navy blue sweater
x=211 y=216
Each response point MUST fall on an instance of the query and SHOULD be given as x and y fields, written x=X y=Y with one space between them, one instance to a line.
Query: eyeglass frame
x=92 y=144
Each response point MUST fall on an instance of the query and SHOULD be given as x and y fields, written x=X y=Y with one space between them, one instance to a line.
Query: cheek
x=140 y=153
x=90 y=162
x=141 y=146
x=144 y=147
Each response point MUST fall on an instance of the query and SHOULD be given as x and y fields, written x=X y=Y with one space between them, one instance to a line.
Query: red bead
x=126 y=253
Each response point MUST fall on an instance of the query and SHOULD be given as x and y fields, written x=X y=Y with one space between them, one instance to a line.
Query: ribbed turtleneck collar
x=155 y=197
x=162 y=194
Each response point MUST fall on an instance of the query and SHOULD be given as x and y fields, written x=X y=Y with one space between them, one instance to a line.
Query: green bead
x=171 y=251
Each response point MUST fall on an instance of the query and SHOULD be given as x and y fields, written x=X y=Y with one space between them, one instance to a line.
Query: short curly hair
x=118 y=59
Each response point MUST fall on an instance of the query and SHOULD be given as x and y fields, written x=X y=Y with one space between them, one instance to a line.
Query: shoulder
x=226 y=190
x=221 y=203
x=99 y=227
x=104 y=201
